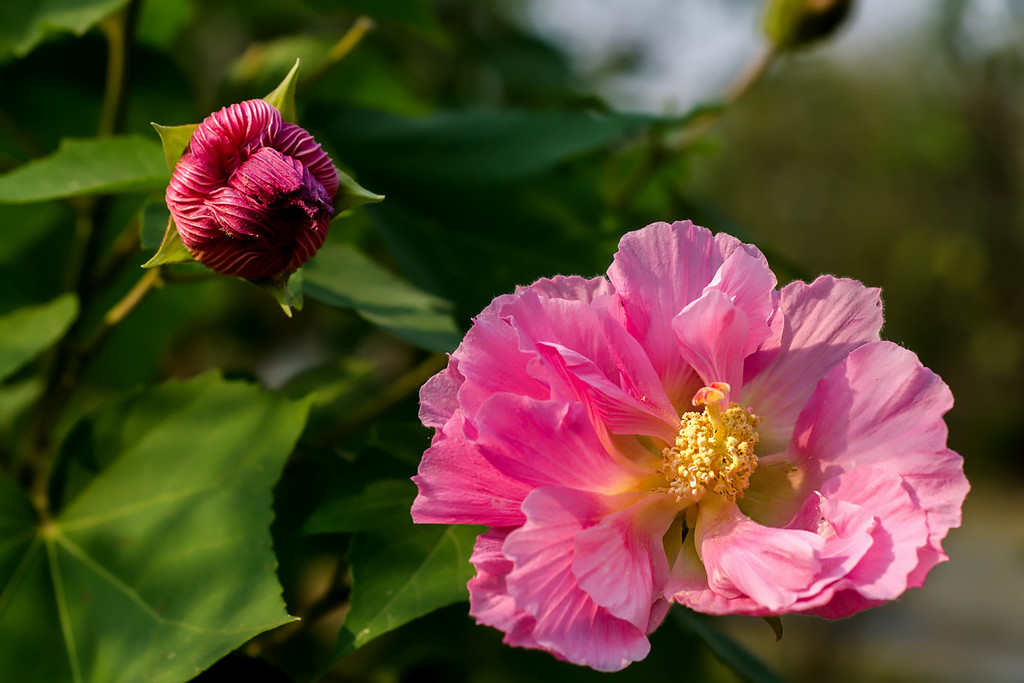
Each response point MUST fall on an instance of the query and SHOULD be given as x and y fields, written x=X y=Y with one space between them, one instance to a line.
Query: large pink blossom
x=252 y=194
x=684 y=432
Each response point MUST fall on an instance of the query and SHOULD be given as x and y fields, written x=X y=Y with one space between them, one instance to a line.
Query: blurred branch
x=117 y=29
x=339 y=51
x=69 y=358
x=751 y=74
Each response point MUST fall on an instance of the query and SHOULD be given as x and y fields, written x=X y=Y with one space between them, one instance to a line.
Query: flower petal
x=296 y=142
x=773 y=567
x=607 y=403
x=620 y=561
x=901 y=529
x=568 y=621
x=489 y=600
x=457 y=485
x=881 y=408
x=439 y=396
x=548 y=443
x=491 y=362
x=750 y=284
x=712 y=332
x=656 y=272
x=815 y=328
x=572 y=287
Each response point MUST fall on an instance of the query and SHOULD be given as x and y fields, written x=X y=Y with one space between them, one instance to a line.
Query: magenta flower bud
x=252 y=195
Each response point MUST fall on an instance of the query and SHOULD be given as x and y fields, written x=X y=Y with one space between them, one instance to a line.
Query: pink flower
x=252 y=195
x=685 y=432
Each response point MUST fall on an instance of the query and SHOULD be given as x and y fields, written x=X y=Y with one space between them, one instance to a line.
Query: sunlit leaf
x=24 y=24
x=26 y=332
x=161 y=563
x=171 y=249
x=341 y=276
x=283 y=96
x=174 y=141
x=129 y=163
x=402 y=575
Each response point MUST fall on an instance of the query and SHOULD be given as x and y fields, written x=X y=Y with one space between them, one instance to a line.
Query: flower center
x=714 y=449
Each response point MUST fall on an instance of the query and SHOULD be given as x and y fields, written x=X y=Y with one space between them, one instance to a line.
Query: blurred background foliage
x=518 y=139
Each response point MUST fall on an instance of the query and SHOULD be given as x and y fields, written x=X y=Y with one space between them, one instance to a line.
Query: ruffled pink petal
x=541 y=583
x=620 y=562
x=773 y=567
x=548 y=443
x=491 y=362
x=712 y=332
x=457 y=485
x=758 y=570
x=626 y=397
x=572 y=324
x=439 y=396
x=750 y=284
x=815 y=327
x=572 y=287
x=489 y=601
x=882 y=573
x=881 y=408
x=608 y=404
x=656 y=272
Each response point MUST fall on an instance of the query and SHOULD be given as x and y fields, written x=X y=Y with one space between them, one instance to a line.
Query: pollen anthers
x=714 y=450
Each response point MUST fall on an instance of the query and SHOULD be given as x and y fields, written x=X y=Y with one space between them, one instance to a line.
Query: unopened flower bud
x=252 y=195
x=793 y=24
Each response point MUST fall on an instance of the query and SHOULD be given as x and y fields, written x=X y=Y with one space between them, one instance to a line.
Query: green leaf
x=286 y=290
x=153 y=224
x=161 y=563
x=378 y=504
x=174 y=141
x=128 y=163
x=403 y=575
x=23 y=25
x=351 y=193
x=776 y=623
x=475 y=147
x=27 y=332
x=171 y=249
x=283 y=96
x=341 y=276
x=725 y=649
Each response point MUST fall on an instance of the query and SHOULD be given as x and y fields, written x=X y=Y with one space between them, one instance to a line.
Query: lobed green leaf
x=402 y=575
x=23 y=25
x=128 y=163
x=160 y=563
x=27 y=332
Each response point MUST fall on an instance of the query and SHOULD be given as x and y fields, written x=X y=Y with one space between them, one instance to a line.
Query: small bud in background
x=252 y=195
x=793 y=24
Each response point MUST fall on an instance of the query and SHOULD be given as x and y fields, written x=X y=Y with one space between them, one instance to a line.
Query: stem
x=118 y=29
x=345 y=44
x=68 y=360
x=750 y=74
x=658 y=148
x=119 y=311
